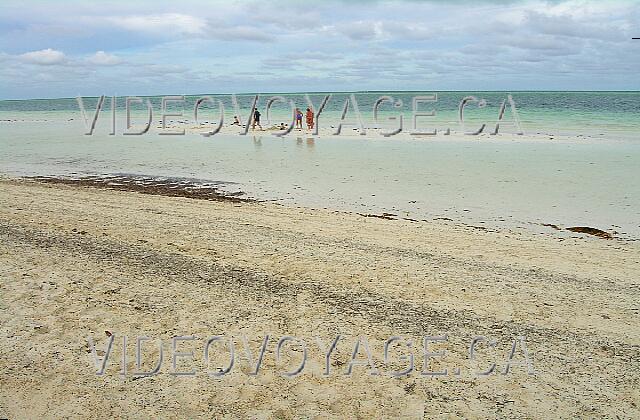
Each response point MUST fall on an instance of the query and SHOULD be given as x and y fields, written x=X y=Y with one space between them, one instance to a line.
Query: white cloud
x=168 y=25
x=163 y=24
x=46 y=57
x=102 y=58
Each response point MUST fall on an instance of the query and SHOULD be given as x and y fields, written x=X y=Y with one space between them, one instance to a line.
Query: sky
x=85 y=48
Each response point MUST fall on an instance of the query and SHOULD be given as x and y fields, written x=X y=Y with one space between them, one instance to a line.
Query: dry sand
x=77 y=261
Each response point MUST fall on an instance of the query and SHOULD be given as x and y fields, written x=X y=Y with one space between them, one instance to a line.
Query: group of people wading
x=298 y=120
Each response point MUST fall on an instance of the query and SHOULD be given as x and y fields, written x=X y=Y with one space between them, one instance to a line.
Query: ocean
x=577 y=164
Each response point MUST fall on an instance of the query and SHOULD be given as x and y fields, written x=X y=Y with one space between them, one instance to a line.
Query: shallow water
x=519 y=181
x=612 y=114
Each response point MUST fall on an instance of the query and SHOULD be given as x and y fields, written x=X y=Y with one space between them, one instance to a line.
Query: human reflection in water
x=257 y=141
x=310 y=142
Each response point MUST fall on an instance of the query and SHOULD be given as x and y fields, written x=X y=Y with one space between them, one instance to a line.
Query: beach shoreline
x=78 y=261
x=206 y=190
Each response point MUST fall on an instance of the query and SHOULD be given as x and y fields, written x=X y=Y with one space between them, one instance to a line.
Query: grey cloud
x=358 y=31
x=545 y=44
x=239 y=33
x=570 y=27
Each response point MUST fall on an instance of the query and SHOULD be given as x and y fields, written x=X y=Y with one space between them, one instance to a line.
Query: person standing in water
x=256 y=120
x=298 y=118
x=309 y=119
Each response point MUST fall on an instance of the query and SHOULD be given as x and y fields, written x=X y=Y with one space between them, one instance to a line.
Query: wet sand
x=79 y=261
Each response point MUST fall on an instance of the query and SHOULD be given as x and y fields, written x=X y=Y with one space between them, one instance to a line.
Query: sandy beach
x=320 y=210
x=79 y=262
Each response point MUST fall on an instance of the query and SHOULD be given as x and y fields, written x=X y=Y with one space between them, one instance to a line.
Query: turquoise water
x=517 y=181
x=614 y=114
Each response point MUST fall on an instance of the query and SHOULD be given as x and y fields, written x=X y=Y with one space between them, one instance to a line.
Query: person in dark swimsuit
x=256 y=120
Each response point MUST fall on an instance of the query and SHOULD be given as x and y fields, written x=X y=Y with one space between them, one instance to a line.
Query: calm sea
x=578 y=163
x=556 y=113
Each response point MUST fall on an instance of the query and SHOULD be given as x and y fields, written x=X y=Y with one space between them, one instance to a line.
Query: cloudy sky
x=71 y=48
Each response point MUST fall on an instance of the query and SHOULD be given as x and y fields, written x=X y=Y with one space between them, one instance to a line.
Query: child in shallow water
x=298 y=118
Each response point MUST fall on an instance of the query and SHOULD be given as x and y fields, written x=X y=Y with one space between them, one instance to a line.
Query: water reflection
x=310 y=142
